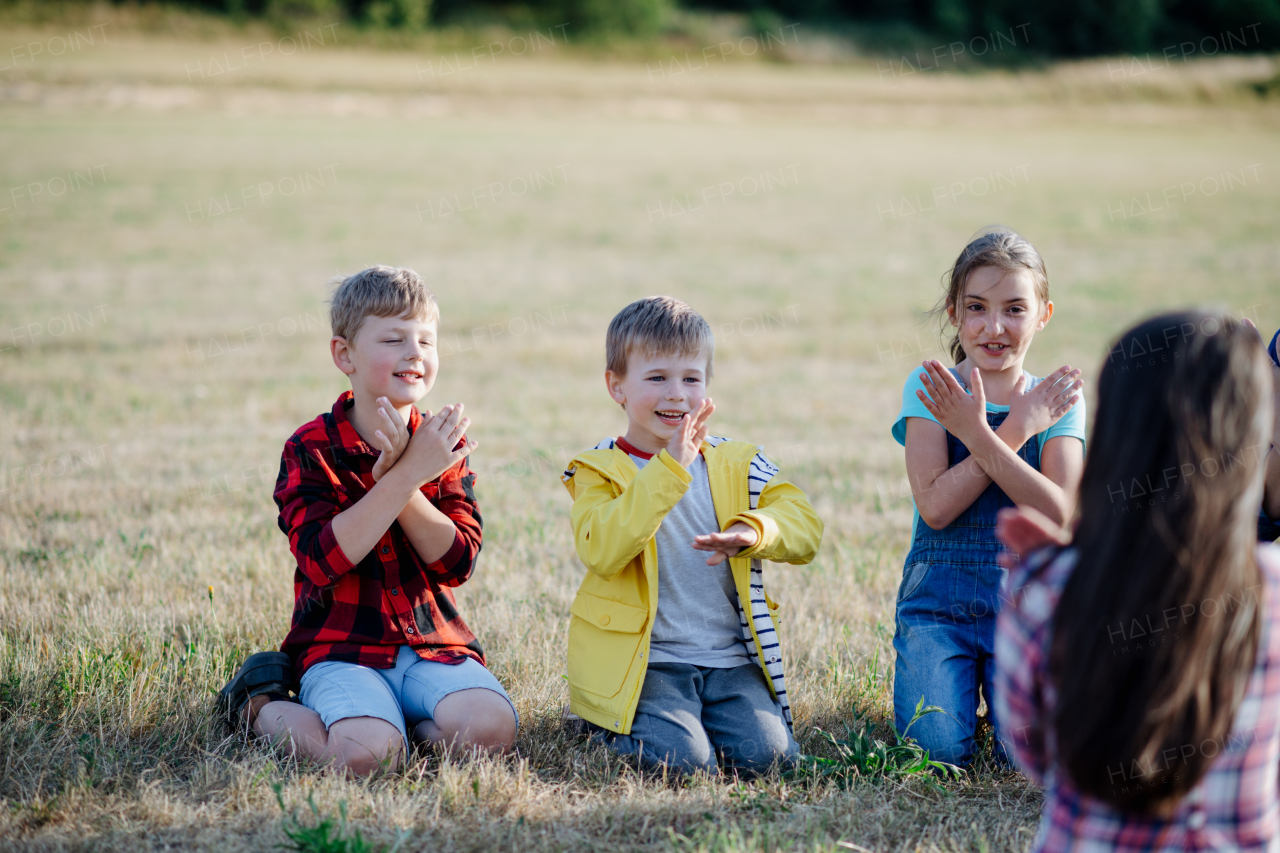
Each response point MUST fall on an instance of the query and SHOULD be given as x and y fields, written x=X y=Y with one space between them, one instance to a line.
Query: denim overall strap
x=946 y=614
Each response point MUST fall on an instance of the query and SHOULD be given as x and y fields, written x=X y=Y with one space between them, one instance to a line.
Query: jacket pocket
x=604 y=637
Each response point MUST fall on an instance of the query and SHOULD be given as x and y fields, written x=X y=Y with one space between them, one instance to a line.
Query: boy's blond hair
x=657 y=325
x=379 y=292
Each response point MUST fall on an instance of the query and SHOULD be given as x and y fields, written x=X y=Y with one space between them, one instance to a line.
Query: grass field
x=168 y=233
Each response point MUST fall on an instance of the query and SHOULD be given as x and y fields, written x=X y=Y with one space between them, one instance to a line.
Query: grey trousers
x=688 y=715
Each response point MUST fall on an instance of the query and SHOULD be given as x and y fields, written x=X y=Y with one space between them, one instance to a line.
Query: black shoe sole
x=262 y=673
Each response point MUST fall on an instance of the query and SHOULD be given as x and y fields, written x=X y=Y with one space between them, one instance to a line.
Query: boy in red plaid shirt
x=377 y=501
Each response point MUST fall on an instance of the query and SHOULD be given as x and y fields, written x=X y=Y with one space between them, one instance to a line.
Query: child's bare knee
x=493 y=730
x=359 y=761
x=476 y=718
x=364 y=745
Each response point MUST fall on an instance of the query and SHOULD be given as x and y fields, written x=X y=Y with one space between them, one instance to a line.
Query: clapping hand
x=1023 y=530
x=961 y=414
x=727 y=544
x=1036 y=410
x=431 y=450
x=686 y=444
x=391 y=439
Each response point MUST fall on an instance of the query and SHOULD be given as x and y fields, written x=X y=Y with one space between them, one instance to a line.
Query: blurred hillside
x=932 y=32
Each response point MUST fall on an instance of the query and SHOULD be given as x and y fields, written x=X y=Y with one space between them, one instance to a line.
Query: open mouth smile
x=410 y=376
x=670 y=418
x=995 y=349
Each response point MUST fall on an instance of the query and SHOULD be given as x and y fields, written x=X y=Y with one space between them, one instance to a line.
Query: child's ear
x=341 y=352
x=951 y=314
x=613 y=382
x=1045 y=315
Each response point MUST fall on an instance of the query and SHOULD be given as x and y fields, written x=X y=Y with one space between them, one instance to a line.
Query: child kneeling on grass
x=1138 y=668
x=377 y=502
x=673 y=645
x=982 y=435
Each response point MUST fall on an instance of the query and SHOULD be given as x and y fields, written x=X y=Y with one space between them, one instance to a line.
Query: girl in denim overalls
x=980 y=436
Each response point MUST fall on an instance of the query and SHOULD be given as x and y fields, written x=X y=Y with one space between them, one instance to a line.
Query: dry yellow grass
x=157 y=347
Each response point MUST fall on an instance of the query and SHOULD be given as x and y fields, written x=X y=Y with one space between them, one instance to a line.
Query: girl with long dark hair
x=1138 y=664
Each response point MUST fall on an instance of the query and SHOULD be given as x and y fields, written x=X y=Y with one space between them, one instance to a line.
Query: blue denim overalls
x=946 y=618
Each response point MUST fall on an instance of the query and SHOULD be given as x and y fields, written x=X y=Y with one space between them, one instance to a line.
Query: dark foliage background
x=1068 y=28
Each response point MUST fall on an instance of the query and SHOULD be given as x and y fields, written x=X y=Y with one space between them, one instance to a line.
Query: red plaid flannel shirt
x=363 y=613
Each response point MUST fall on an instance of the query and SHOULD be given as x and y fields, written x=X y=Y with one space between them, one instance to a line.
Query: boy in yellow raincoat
x=673 y=647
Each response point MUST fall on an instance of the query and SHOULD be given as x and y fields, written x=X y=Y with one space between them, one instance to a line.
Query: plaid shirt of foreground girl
x=1234 y=807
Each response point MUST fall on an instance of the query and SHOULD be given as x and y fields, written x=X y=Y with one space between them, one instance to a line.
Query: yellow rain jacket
x=617 y=509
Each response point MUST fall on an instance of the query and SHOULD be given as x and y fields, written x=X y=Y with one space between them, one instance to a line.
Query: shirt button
x=386 y=549
x=1196 y=820
x=604 y=620
x=409 y=630
x=395 y=592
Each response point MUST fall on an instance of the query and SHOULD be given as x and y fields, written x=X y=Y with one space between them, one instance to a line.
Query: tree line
x=1177 y=29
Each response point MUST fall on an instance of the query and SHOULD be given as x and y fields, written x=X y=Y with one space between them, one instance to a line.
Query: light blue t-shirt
x=1071 y=424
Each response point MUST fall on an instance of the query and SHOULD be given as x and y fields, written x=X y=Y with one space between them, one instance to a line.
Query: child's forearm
x=608 y=535
x=788 y=528
x=430 y=531
x=941 y=501
x=951 y=492
x=358 y=528
x=610 y=530
x=1024 y=485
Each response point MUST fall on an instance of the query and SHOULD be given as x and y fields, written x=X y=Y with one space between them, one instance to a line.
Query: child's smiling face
x=658 y=393
x=392 y=357
x=998 y=317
